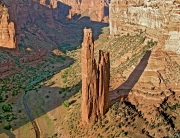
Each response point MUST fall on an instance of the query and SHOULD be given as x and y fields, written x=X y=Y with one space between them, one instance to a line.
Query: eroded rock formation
x=95 y=80
x=7 y=29
x=160 y=16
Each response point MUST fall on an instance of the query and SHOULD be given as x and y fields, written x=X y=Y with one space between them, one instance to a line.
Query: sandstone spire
x=7 y=30
x=95 y=80
x=103 y=79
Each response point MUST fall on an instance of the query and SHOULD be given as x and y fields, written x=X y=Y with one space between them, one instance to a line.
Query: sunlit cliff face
x=158 y=15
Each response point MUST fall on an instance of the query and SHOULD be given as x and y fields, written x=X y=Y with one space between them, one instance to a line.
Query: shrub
x=64 y=95
x=106 y=30
x=60 y=92
x=7 y=108
x=1 y=99
x=7 y=127
x=66 y=103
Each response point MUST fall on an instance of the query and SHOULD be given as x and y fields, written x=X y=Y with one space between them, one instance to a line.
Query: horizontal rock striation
x=157 y=15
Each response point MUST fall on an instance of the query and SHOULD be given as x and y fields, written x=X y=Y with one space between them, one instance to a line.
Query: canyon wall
x=94 y=8
x=7 y=29
x=29 y=15
x=95 y=80
x=154 y=15
x=25 y=13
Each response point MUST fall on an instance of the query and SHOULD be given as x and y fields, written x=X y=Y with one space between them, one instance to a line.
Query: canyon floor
x=54 y=98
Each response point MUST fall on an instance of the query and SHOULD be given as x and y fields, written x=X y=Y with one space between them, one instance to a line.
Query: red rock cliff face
x=95 y=80
x=103 y=79
x=94 y=8
x=27 y=12
x=7 y=30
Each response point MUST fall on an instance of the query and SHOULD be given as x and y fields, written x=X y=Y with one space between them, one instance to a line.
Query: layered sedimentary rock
x=149 y=84
x=159 y=81
x=157 y=15
x=7 y=29
x=173 y=41
x=161 y=74
x=95 y=80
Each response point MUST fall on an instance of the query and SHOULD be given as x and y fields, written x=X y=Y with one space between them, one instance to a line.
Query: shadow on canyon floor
x=74 y=27
x=43 y=100
x=8 y=133
x=47 y=100
x=39 y=105
x=122 y=91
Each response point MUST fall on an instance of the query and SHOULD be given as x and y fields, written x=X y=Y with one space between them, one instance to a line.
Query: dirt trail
x=33 y=121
